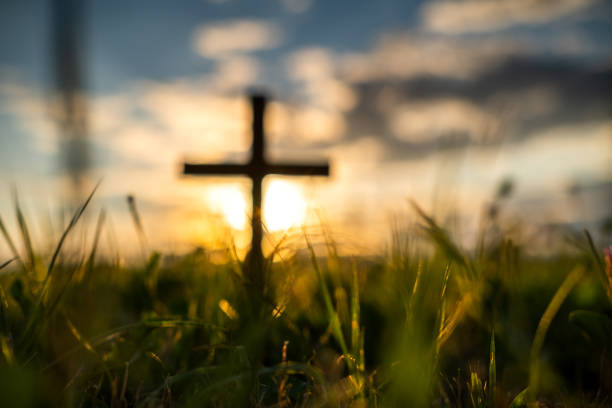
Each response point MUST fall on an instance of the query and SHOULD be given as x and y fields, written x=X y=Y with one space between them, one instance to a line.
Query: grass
x=425 y=324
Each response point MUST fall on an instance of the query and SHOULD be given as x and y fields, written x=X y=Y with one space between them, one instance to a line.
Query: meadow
x=426 y=323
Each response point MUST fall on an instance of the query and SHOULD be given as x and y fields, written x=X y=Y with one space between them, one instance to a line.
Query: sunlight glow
x=231 y=203
x=284 y=206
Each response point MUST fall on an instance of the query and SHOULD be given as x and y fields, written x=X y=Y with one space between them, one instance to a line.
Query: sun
x=229 y=201
x=284 y=206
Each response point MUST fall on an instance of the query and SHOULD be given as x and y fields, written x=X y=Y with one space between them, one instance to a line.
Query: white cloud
x=422 y=121
x=454 y=17
x=33 y=111
x=331 y=94
x=406 y=55
x=326 y=97
x=314 y=69
x=311 y=63
x=549 y=159
x=499 y=117
x=224 y=38
x=194 y=119
x=358 y=157
x=303 y=125
x=191 y=118
x=108 y=112
x=317 y=125
x=235 y=73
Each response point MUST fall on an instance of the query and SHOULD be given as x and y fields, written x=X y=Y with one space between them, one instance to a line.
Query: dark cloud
x=580 y=93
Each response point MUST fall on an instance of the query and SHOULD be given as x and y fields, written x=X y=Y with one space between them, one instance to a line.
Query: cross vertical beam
x=256 y=169
x=258 y=103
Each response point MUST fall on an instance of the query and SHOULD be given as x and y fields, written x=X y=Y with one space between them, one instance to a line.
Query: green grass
x=425 y=324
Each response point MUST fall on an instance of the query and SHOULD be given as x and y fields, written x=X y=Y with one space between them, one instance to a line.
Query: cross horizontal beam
x=215 y=169
x=287 y=169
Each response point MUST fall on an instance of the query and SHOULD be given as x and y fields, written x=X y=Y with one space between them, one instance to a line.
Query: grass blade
x=492 y=371
x=331 y=312
x=520 y=401
x=75 y=218
x=7 y=263
x=553 y=307
x=4 y=305
x=25 y=232
x=415 y=291
x=357 y=333
x=355 y=312
x=443 y=241
x=442 y=311
x=58 y=248
x=601 y=265
x=94 y=247
x=8 y=240
x=595 y=253
x=138 y=224
x=461 y=310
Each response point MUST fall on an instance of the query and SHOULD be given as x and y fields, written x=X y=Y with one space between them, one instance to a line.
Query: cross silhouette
x=256 y=169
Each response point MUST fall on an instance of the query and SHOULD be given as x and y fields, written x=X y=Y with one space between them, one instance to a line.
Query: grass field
x=424 y=324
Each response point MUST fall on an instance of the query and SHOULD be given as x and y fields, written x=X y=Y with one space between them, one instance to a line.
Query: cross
x=256 y=169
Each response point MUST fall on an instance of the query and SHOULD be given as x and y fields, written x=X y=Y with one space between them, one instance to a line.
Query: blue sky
x=437 y=101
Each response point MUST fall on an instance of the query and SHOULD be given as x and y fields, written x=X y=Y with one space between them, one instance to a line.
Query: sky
x=436 y=102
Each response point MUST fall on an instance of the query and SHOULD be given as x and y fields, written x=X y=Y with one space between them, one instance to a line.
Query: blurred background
x=469 y=108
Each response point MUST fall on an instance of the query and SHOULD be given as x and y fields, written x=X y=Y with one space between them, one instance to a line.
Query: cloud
x=192 y=119
x=235 y=73
x=453 y=17
x=224 y=38
x=314 y=70
x=326 y=98
x=448 y=118
x=156 y=124
x=304 y=125
x=356 y=157
x=33 y=112
x=423 y=121
x=507 y=102
x=316 y=125
x=312 y=63
x=406 y=55
x=550 y=158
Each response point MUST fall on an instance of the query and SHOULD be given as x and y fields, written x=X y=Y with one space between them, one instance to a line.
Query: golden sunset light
x=229 y=201
x=306 y=203
x=284 y=205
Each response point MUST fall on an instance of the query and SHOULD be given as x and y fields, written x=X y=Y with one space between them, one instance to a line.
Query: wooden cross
x=256 y=169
